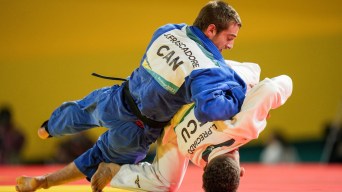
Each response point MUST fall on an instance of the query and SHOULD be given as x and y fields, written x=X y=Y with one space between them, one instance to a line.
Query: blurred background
x=48 y=49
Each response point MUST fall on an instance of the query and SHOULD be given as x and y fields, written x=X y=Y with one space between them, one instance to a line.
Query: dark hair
x=218 y=13
x=222 y=174
x=5 y=115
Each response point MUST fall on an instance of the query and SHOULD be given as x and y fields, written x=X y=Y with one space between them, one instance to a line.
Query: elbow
x=201 y=117
x=251 y=135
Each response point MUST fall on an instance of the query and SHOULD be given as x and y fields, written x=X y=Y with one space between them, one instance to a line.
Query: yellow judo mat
x=8 y=175
x=315 y=177
x=64 y=188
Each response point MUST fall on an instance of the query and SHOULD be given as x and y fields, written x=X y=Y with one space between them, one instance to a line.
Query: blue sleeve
x=218 y=93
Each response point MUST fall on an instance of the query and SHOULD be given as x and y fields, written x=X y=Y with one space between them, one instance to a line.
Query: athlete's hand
x=104 y=174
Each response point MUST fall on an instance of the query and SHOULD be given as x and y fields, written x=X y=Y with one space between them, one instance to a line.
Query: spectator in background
x=69 y=150
x=332 y=152
x=11 y=139
x=278 y=150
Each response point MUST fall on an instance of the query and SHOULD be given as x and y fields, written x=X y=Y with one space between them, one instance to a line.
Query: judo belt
x=136 y=111
x=133 y=106
x=210 y=148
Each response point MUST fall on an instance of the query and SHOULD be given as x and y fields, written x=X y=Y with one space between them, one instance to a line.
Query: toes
x=17 y=188
x=94 y=181
x=19 y=181
x=101 y=178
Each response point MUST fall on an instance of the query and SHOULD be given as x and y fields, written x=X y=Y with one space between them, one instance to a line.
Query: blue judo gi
x=181 y=65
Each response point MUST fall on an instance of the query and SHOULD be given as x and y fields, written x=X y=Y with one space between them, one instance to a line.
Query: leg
x=65 y=175
x=164 y=174
x=75 y=116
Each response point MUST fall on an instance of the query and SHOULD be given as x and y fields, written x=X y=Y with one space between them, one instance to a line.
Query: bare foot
x=42 y=133
x=105 y=172
x=27 y=184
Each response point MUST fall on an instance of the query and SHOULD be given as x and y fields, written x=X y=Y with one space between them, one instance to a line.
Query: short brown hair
x=222 y=174
x=218 y=13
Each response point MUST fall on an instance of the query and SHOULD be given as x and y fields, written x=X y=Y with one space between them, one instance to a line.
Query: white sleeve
x=164 y=174
x=251 y=120
x=249 y=72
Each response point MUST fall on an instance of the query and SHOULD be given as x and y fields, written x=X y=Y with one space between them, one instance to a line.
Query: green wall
x=48 y=49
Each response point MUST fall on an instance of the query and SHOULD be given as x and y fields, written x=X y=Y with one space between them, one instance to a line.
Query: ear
x=242 y=171
x=210 y=32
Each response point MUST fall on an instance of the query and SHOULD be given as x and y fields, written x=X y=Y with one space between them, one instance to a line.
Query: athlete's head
x=220 y=23
x=222 y=173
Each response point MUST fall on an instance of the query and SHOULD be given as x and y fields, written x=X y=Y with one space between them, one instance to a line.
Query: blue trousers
x=123 y=143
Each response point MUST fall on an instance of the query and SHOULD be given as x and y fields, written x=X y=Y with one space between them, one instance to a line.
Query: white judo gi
x=187 y=139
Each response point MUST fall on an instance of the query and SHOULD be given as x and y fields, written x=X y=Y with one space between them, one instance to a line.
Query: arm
x=218 y=93
x=248 y=72
x=268 y=94
x=194 y=138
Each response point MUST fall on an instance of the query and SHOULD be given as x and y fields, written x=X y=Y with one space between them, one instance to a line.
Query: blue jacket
x=181 y=65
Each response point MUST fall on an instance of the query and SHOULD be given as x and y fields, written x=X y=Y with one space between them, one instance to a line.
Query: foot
x=42 y=133
x=105 y=172
x=27 y=184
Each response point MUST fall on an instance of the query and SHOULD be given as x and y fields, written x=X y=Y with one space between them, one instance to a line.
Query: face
x=224 y=39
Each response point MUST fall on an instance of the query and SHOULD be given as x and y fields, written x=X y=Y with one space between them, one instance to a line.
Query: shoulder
x=168 y=27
